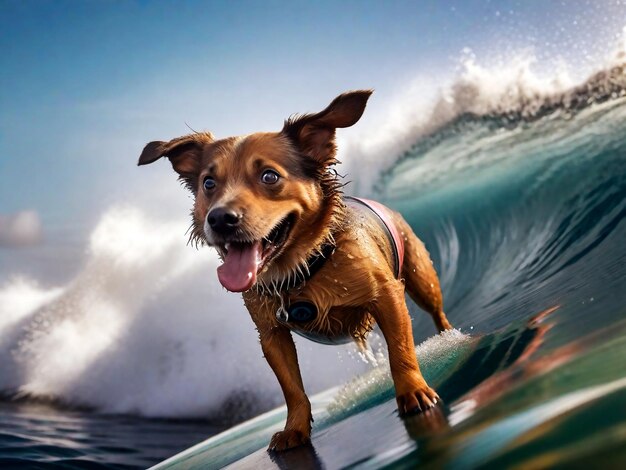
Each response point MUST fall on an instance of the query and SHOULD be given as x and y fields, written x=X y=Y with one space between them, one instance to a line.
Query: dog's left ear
x=314 y=134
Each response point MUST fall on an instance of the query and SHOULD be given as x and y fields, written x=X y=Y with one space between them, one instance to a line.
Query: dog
x=307 y=259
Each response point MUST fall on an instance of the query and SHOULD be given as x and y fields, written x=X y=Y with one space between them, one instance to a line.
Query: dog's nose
x=223 y=220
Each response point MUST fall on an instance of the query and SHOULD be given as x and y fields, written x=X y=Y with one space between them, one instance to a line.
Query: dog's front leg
x=392 y=315
x=280 y=352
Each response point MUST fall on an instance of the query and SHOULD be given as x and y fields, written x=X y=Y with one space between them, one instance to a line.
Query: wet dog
x=307 y=259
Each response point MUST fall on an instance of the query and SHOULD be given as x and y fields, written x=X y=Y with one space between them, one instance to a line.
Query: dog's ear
x=314 y=134
x=184 y=153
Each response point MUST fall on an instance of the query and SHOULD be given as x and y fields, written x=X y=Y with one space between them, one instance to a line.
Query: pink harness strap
x=395 y=238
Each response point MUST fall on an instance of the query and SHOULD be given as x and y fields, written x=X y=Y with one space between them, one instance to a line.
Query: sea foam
x=144 y=328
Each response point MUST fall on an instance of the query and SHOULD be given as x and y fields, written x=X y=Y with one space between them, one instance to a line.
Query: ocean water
x=518 y=191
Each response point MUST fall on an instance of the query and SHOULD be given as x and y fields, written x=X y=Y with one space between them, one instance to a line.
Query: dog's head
x=265 y=201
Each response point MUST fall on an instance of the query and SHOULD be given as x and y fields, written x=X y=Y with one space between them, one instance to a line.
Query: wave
x=144 y=328
x=520 y=209
x=503 y=95
x=476 y=150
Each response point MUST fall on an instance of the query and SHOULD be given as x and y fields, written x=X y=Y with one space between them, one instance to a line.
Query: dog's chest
x=332 y=307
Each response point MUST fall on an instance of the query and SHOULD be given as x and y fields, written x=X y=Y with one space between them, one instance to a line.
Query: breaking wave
x=144 y=328
x=507 y=94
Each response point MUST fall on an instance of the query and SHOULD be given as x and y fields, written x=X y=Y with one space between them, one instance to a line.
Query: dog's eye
x=270 y=177
x=209 y=183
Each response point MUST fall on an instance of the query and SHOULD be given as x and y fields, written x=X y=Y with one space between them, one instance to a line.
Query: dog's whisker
x=306 y=267
x=300 y=267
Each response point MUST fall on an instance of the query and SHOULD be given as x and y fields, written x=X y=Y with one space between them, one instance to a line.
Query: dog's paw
x=288 y=439
x=417 y=401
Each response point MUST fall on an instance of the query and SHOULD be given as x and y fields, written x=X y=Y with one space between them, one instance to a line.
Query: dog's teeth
x=227 y=246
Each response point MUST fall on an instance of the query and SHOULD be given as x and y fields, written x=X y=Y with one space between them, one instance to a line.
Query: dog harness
x=301 y=312
x=381 y=215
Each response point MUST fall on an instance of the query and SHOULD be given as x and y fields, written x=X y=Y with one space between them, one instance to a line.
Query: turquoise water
x=524 y=216
x=543 y=228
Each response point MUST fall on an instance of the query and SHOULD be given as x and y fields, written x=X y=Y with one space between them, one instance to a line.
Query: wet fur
x=355 y=288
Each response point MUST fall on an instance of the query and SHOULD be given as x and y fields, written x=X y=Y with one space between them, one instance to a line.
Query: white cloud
x=20 y=229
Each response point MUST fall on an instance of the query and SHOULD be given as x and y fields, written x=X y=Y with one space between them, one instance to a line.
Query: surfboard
x=355 y=422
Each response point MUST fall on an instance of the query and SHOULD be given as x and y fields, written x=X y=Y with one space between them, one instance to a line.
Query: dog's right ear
x=184 y=153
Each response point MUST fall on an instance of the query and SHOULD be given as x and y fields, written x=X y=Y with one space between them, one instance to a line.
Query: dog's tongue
x=238 y=273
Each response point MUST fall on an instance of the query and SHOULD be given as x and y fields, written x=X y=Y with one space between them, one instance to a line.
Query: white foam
x=144 y=328
x=19 y=297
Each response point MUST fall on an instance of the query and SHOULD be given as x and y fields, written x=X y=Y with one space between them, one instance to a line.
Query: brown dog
x=307 y=259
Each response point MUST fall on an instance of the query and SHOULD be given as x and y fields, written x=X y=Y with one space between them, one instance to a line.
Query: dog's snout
x=223 y=220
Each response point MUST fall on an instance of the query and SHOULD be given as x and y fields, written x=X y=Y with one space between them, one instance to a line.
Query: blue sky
x=84 y=85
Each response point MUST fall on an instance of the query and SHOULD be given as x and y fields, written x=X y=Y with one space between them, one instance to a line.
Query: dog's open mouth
x=244 y=259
